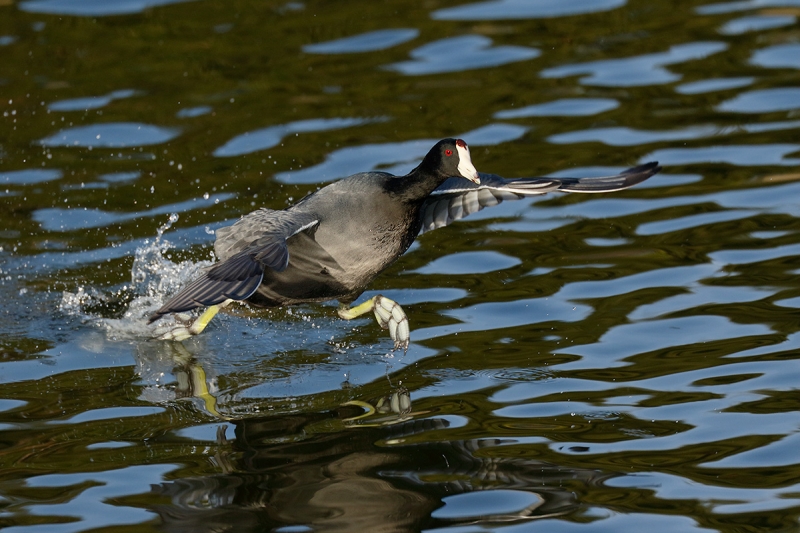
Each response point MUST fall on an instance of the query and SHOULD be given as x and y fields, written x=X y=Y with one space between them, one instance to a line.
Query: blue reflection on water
x=486 y=504
x=465 y=52
x=623 y=136
x=634 y=71
x=365 y=42
x=90 y=102
x=93 y=497
x=700 y=295
x=716 y=84
x=742 y=5
x=190 y=112
x=59 y=219
x=565 y=107
x=743 y=155
x=396 y=158
x=30 y=176
x=524 y=9
x=494 y=134
x=92 y=8
x=756 y=23
x=111 y=135
x=262 y=139
x=692 y=221
x=627 y=340
x=469 y=263
x=763 y=101
x=778 y=56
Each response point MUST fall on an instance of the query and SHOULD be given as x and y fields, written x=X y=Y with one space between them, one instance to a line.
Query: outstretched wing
x=457 y=198
x=254 y=243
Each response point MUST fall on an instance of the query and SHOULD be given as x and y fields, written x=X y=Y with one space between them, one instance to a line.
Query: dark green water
x=579 y=363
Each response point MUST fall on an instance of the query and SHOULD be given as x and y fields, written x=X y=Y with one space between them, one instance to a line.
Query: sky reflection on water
x=578 y=363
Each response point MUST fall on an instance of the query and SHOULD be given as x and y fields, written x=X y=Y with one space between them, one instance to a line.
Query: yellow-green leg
x=182 y=332
x=191 y=379
x=200 y=390
x=389 y=315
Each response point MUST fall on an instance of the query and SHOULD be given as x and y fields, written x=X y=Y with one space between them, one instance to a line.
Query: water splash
x=153 y=278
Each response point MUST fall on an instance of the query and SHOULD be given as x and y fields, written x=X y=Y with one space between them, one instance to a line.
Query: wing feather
x=255 y=243
x=457 y=198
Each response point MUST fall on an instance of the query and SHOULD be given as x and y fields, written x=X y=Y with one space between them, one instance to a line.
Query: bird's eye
x=448 y=152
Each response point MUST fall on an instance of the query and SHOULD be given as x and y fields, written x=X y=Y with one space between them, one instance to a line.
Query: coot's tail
x=236 y=278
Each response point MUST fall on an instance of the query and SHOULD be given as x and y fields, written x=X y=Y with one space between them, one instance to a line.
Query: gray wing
x=457 y=198
x=245 y=249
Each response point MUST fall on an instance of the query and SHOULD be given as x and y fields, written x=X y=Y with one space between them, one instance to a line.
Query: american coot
x=334 y=242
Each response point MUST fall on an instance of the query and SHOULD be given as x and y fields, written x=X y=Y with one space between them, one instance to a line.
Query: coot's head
x=451 y=158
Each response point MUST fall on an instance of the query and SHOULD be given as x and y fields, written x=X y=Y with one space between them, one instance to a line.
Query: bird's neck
x=416 y=185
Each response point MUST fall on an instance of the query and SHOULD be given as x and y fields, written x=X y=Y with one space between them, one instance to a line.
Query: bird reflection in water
x=191 y=380
x=376 y=465
x=356 y=468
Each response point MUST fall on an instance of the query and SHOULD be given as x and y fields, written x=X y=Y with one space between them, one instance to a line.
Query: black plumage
x=334 y=242
x=330 y=245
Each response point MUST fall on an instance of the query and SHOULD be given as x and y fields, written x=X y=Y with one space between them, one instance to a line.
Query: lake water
x=579 y=363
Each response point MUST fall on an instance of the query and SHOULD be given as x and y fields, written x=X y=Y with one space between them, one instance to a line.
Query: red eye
x=448 y=152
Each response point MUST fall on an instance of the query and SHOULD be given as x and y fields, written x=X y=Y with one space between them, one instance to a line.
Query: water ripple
x=397 y=158
x=93 y=496
x=627 y=340
x=70 y=219
x=635 y=71
x=111 y=413
x=499 y=315
x=474 y=52
x=365 y=42
x=712 y=85
x=700 y=296
x=679 y=277
x=756 y=23
x=566 y=107
x=778 y=56
x=742 y=5
x=92 y=8
x=523 y=9
x=496 y=503
x=651 y=339
x=776 y=454
x=191 y=112
x=111 y=135
x=341 y=162
x=90 y=102
x=692 y=221
x=30 y=176
x=622 y=136
x=719 y=499
x=494 y=134
x=262 y=139
x=468 y=263
x=740 y=155
x=755 y=255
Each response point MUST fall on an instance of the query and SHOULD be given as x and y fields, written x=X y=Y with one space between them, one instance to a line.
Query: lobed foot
x=179 y=332
x=185 y=330
x=389 y=315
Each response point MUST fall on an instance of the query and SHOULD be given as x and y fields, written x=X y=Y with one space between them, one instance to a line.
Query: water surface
x=612 y=362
